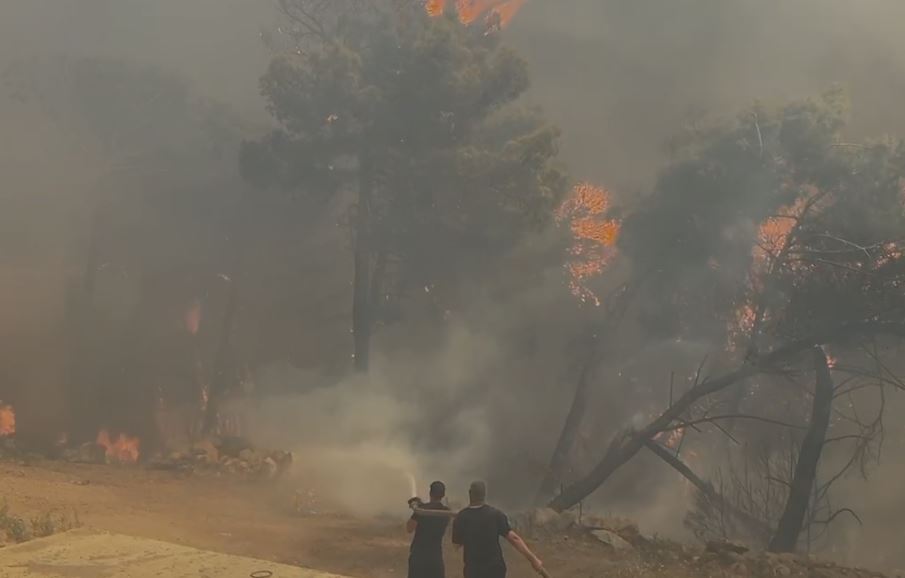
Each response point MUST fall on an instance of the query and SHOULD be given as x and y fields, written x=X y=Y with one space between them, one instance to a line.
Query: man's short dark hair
x=477 y=491
x=438 y=490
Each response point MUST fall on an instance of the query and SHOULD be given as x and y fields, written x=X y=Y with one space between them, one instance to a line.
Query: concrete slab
x=85 y=553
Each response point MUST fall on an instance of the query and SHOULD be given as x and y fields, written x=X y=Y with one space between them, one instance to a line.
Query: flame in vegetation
x=774 y=240
x=7 y=420
x=123 y=449
x=594 y=237
x=435 y=7
x=774 y=233
x=471 y=10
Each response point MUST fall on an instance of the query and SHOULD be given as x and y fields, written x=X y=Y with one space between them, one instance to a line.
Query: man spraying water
x=426 y=552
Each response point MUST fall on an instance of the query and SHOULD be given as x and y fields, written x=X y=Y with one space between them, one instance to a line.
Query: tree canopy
x=419 y=117
x=773 y=217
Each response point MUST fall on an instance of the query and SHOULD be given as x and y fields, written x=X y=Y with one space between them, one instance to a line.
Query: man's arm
x=411 y=524
x=457 y=538
x=524 y=550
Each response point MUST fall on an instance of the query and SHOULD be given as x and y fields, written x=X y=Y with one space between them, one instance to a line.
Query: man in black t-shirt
x=426 y=553
x=478 y=529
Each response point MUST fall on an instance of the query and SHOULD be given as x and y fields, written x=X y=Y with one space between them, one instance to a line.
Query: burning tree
x=152 y=152
x=594 y=233
x=772 y=237
x=414 y=118
x=494 y=12
x=594 y=236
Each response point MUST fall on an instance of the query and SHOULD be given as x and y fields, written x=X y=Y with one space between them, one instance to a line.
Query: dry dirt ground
x=261 y=520
x=243 y=518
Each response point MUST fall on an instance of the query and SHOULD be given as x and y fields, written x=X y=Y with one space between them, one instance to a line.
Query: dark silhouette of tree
x=415 y=120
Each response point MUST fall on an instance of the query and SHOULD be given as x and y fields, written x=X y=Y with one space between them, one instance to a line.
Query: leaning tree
x=772 y=236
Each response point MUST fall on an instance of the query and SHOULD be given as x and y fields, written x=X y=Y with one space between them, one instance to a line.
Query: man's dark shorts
x=426 y=568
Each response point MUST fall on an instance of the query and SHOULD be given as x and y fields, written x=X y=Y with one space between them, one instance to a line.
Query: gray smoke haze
x=365 y=437
x=620 y=77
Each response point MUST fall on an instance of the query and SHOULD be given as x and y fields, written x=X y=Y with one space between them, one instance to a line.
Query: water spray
x=413 y=486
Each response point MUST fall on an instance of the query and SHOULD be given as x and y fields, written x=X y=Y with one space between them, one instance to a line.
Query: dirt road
x=241 y=518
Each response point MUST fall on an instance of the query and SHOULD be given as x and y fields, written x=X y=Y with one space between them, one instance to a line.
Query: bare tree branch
x=711 y=419
x=703 y=486
x=625 y=444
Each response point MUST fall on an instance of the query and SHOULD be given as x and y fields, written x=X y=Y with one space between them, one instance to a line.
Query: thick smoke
x=620 y=77
x=362 y=439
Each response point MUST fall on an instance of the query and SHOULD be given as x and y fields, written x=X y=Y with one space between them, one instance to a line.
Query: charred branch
x=626 y=443
x=715 y=498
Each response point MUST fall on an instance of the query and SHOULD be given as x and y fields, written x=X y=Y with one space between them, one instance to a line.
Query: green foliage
x=40 y=526
x=697 y=236
x=460 y=172
x=14 y=527
x=50 y=523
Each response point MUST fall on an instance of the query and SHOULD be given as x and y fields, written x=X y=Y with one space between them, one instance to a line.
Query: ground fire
x=7 y=420
x=121 y=449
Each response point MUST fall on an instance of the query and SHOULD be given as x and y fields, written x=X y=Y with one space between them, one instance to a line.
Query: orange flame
x=7 y=420
x=594 y=236
x=435 y=7
x=773 y=238
x=193 y=318
x=123 y=449
x=671 y=439
x=773 y=234
x=471 y=10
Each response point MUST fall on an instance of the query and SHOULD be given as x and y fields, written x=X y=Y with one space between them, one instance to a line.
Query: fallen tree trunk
x=629 y=442
x=626 y=443
x=673 y=461
x=792 y=521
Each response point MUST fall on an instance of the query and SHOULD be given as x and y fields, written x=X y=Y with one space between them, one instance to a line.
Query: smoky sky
x=618 y=76
x=621 y=77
